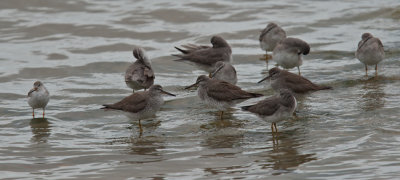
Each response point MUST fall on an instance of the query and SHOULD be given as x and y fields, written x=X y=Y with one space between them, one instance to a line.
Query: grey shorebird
x=275 y=108
x=270 y=36
x=282 y=79
x=287 y=53
x=38 y=97
x=220 y=94
x=141 y=104
x=139 y=75
x=205 y=57
x=224 y=71
x=370 y=51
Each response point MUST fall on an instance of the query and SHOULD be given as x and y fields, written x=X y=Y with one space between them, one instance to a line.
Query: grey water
x=80 y=49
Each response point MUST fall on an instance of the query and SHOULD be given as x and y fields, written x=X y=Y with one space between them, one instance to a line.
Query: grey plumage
x=275 y=108
x=270 y=36
x=205 y=57
x=224 y=71
x=288 y=52
x=370 y=51
x=139 y=75
x=38 y=97
x=141 y=104
x=220 y=94
x=282 y=79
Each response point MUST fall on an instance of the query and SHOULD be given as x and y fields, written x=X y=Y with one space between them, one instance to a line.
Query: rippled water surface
x=81 y=48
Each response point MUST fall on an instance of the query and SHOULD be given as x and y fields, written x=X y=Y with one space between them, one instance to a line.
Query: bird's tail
x=256 y=94
x=245 y=108
x=182 y=50
x=325 y=87
x=107 y=106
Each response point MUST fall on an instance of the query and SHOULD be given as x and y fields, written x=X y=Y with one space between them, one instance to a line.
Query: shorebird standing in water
x=220 y=94
x=142 y=104
x=38 y=97
x=282 y=79
x=370 y=51
x=139 y=75
x=287 y=53
x=270 y=36
x=224 y=71
x=205 y=57
x=275 y=108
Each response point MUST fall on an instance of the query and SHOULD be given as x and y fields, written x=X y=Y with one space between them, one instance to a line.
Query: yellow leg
x=276 y=129
x=221 y=115
x=209 y=75
x=272 y=127
x=140 y=129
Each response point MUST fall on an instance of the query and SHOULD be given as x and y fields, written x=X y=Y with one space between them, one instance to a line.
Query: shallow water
x=80 y=50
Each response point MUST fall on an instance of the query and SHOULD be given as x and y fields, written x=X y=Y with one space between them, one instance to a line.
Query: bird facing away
x=139 y=75
x=220 y=94
x=274 y=108
x=287 y=53
x=205 y=57
x=224 y=71
x=370 y=51
x=38 y=97
x=282 y=79
x=270 y=36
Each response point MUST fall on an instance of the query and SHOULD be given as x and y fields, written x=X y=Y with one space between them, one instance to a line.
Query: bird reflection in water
x=151 y=124
x=373 y=94
x=284 y=156
x=40 y=130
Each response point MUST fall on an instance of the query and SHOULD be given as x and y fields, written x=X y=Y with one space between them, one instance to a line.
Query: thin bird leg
x=376 y=70
x=298 y=68
x=43 y=113
x=366 y=70
x=276 y=129
x=140 y=129
x=272 y=127
x=221 y=115
x=209 y=75
x=33 y=113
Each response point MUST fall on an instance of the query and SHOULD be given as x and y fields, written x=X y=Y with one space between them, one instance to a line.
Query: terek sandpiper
x=275 y=108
